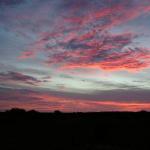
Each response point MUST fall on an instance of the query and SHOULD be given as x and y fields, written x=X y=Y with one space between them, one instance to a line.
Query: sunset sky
x=75 y=55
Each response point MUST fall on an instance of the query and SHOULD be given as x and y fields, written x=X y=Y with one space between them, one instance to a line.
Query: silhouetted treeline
x=20 y=129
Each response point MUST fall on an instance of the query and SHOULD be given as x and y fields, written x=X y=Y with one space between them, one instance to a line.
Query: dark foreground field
x=21 y=130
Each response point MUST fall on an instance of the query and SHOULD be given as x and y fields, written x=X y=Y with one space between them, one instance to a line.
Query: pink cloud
x=27 y=54
x=46 y=102
x=84 y=39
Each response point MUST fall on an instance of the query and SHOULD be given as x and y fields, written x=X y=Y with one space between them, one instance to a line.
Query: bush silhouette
x=57 y=112
x=16 y=110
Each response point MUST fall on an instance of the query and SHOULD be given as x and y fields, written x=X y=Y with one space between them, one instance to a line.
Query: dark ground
x=21 y=130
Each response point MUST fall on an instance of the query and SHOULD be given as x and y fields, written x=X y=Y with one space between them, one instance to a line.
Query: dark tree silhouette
x=20 y=129
x=16 y=110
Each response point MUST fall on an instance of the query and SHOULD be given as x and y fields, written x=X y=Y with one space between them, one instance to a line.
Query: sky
x=75 y=55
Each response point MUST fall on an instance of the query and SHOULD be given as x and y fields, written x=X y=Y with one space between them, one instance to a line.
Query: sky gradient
x=75 y=55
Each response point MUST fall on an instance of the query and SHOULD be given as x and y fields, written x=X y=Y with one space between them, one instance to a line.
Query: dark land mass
x=21 y=130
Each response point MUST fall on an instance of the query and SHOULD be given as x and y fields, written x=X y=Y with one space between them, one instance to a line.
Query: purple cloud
x=19 y=77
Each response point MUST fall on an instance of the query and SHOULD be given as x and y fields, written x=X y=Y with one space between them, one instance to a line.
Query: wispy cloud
x=84 y=39
x=18 y=78
x=45 y=101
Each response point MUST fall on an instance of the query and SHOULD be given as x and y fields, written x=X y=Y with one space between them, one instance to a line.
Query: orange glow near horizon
x=52 y=103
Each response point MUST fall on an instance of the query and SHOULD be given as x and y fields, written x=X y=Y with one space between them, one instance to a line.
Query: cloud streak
x=42 y=101
x=18 y=78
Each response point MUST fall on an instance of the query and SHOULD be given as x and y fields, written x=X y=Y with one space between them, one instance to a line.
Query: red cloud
x=130 y=59
x=84 y=40
x=110 y=54
x=99 y=105
x=27 y=54
x=46 y=102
